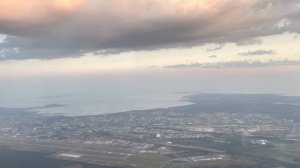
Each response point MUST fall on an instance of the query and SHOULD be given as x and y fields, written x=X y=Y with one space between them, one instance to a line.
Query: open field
x=24 y=159
x=101 y=155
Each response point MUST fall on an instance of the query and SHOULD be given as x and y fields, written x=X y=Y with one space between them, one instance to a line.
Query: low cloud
x=258 y=53
x=216 y=48
x=213 y=56
x=48 y=29
x=234 y=64
x=248 y=42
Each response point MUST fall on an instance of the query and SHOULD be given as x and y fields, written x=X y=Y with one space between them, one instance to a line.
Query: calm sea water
x=110 y=93
x=109 y=102
x=81 y=100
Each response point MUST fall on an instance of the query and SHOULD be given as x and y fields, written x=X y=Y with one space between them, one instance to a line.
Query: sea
x=83 y=100
x=83 y=95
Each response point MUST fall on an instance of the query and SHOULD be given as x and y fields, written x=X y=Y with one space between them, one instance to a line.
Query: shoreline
x=188 y=100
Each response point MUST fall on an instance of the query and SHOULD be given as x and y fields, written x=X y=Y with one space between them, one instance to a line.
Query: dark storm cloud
x=73 y=28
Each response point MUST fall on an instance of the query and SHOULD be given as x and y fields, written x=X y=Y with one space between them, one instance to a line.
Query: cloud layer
x=60 y=28
x=258 y=53
x=234 y=64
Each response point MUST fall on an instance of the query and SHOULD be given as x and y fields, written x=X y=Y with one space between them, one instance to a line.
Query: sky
x=41 y=38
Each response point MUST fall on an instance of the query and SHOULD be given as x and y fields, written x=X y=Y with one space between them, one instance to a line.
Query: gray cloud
x=257 y=52
x=248 y=42
x=217 y=47
x=234 y=64
x=100 y=26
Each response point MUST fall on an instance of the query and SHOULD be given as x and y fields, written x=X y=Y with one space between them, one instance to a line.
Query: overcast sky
x=98 y=36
